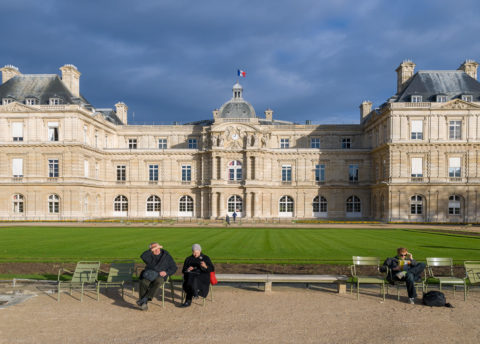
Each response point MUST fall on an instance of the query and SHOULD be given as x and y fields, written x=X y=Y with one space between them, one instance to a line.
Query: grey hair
x=196 y=247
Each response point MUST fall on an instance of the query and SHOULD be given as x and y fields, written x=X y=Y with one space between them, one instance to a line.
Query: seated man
x=196 y=275
x=159 y=265
x=403 y=267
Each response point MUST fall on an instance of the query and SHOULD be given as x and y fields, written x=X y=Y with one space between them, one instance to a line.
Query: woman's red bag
x=213 y=278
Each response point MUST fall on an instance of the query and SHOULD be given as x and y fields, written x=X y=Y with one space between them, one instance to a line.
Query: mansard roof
x=429 y=84
x=40 y=86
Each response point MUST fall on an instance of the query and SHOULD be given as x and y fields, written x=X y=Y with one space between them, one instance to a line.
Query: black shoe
x=144 y=306
x=141 y=302
x=186 y=304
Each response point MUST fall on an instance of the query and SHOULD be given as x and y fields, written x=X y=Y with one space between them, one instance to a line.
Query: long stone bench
x=269 y=279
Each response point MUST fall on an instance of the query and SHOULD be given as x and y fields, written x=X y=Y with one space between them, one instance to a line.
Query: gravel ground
x=242 y=315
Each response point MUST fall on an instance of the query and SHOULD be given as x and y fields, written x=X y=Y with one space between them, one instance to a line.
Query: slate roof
x=429 y=84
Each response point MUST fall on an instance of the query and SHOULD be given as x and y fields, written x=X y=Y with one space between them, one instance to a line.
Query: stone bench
x=269 y=279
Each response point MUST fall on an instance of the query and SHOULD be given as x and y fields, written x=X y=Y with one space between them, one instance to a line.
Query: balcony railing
x=52 y=179
x=455 y=179
x=416 y=179
x=17 y=179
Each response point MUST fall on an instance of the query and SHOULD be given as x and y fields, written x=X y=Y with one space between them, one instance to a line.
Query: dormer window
x=54 y=101
x=467 y=97
x=31 y=101
x=441 y=98
x=416 y=99
x=6 y=101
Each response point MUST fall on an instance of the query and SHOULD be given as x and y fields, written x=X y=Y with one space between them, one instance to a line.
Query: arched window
x=18 y=203
x=186 y=206
x=235 y=170
x=53 y=204
x=120 y=205
x=454 y=205
x=286 y=206
x=153 y=205
x=319 y=206
x=354 y=206
x=235 y=204
x=416 y=205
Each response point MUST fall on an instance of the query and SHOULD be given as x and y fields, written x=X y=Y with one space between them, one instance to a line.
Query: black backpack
x=435 y=299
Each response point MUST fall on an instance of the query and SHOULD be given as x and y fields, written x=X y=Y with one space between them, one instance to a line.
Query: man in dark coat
x=159 y=265
x=403 y=267
x=196 y=275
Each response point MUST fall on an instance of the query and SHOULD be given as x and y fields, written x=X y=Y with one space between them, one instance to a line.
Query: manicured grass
x=230 y=245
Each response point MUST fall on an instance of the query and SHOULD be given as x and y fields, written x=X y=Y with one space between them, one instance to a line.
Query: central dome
x=237 y=107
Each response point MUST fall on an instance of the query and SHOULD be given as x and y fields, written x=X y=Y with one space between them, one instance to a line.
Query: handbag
x=150 y=275
x=213 y=278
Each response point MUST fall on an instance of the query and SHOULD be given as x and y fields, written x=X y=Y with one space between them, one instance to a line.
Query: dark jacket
x=392 y=263
x=166 y=262
x=198 y=280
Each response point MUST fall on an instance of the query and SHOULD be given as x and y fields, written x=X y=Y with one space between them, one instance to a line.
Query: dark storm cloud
x=177 y=60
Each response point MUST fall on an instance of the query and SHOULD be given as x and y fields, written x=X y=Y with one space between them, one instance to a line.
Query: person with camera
x=159 y=265
x=196 y=275
x=403 y=267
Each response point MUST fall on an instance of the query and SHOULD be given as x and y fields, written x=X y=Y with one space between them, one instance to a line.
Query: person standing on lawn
x=159 y=265
x=403 y=267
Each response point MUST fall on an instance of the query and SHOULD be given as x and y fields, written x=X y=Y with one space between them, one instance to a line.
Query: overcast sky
x=177 y=60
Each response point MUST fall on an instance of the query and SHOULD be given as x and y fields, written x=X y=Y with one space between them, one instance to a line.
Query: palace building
x=415 y=158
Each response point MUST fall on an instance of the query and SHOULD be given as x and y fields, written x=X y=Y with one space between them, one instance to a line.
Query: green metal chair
x=84 y=277
x=449 y=278
x=170 y=280
x=120 y=273
x=472 y=274
x=373 y=262
x=402 y=283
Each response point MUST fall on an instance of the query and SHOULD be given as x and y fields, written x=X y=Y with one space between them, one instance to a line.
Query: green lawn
x=230 y=245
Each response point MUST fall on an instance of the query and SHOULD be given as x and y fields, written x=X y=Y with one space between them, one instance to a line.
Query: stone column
x=214 y=168
x=246 y=205
x=221 y=202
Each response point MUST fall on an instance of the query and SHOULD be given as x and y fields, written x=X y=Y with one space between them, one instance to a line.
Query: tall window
x=441 y=98
x=315 y=142
x=454 y=205
x=454 y=168
x=455 y=130
x=153 y=173
x=186 y=205
x=18 y=203
x=132 y=143
x=417 y=130
x=416 y=205
x=192 y=143
x=284 y=143
x=120 y=204
x=286 y=206
x=162 y=143
x=353 y=205
x=286 y=173
x=319 y=205
x=416 y=99
x=346 y=143
x=235 y=204
x=417 y=167
x=121 y=173
x=186 y=173
x=54 y=101
x=353 y=174
x=86 y=168
x=31 y=101
x=235 y=170
x=53 y=204
x=17 y=131
x=153 y=204
x=17 y=168
x=320 y=173
x=467 y=97
x=53 y=168
x=6 y=101
x=52 y=131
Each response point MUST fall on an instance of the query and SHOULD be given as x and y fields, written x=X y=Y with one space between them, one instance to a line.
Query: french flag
x=241 y=73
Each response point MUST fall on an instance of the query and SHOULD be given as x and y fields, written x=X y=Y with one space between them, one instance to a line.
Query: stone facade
x=407 y=160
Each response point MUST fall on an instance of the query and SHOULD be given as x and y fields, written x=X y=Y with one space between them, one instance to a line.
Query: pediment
x=459 y=104
x=19 y=107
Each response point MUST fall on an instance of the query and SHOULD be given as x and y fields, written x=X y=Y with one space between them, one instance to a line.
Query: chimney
x=215 y=113
x=121 y=110
x=404 y=72
x=365 y=109
x=71 y=79
x=269 y=115
x=9 y=72
x=469 y=67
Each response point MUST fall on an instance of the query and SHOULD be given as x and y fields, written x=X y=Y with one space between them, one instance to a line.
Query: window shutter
x=417 y=166
x=17 y=167
x=17 y=129
x=417 y=126
x=454 y=162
